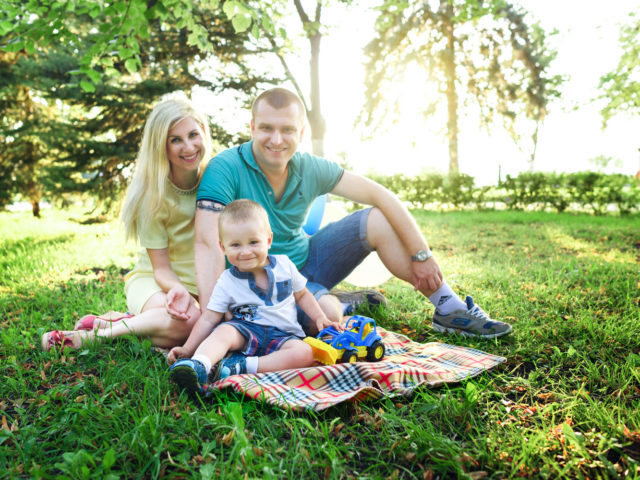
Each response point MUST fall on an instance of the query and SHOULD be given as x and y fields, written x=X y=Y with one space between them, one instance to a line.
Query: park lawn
x=564 y=405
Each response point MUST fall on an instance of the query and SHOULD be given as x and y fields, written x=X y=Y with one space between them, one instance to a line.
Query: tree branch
x=287 y=70
x=301 y=13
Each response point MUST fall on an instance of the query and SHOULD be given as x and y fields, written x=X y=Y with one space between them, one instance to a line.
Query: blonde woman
x=159 y=212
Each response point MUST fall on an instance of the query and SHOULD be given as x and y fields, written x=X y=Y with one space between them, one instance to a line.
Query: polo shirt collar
x=246 y=153
x=262 y=295
x=245 y=275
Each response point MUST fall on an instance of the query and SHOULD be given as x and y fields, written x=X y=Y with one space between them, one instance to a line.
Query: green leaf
x=14 y=47
x=87 y=86
x=109 y=459
x=93 y=75
x=207 y=471
x=267 y=24
x=131 y=65
x=112 y=72
x=471 y=392
x=192 y=39
x=241 y=23
x=230 y=8
x=125 y=53
x=30 y=48
x=5 y=27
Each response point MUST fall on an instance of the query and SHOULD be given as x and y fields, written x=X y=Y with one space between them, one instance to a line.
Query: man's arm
x=362 y=190
x=209 y=258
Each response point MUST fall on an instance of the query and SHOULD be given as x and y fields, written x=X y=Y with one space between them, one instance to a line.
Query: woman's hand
x=178 y=302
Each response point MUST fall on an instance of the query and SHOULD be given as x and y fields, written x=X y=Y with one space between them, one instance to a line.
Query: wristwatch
x=422 y=256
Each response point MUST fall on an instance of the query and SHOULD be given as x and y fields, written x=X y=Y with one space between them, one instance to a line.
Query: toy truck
x=360 y=340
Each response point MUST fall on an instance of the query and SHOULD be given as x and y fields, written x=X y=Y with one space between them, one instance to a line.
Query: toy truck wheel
x=375 y=352
x=349 y=357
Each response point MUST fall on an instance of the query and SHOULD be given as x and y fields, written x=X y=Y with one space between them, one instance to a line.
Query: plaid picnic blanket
x=405 y=366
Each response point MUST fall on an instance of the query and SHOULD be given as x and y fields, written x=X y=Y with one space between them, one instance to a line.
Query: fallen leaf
x=5 y=426
x=479 y=474
x=228 y=437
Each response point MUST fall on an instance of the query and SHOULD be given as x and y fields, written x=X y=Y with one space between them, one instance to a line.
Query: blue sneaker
x=234 y=364
x=473 y=322
x=188 y=374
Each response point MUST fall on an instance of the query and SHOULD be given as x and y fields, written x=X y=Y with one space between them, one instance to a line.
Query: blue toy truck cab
x=359 y=340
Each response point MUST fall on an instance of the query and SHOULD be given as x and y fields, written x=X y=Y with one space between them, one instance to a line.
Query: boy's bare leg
x=223 y=339
x=293 y=354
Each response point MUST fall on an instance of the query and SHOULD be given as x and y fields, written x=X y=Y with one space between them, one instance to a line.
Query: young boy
x=261 y=292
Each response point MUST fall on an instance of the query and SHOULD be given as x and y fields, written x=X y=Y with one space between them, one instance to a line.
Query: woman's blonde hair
x=147 y=188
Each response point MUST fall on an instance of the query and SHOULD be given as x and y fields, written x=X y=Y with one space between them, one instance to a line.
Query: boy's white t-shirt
x=236 y=291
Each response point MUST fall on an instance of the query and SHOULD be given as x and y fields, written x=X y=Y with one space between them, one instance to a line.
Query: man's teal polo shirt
x=235 y=174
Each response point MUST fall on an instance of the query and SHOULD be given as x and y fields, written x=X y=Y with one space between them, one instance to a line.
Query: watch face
x=421 y=256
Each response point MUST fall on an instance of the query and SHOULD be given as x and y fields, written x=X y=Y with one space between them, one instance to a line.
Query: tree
x=622 y=86
x=313 y=31
x=479 y=49
x=23 y=152
x=95 y=135
x=120 y=26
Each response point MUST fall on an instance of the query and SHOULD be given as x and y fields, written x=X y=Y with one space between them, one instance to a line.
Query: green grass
x=564 y=405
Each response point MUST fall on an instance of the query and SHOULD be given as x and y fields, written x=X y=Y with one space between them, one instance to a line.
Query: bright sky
x=587 y=43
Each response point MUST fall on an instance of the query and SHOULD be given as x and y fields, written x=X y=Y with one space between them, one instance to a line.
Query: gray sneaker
x=473 y=322
x=373 y=298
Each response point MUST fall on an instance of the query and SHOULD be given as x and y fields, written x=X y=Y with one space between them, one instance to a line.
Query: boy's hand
x=177 y=352
x=324 y=322
x=178 y=302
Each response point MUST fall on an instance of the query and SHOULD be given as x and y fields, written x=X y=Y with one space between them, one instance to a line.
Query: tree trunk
x=534 y=137
x=452 y=95
x=35 y=208
x=316 y=120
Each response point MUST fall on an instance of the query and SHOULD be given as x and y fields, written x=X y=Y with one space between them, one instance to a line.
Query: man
x=270 y=171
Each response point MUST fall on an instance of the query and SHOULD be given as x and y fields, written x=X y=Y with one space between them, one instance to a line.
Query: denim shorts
x=261 y=339
x=334 y=252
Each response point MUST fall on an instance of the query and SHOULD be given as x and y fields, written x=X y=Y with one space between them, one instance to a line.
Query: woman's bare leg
x=153 y=323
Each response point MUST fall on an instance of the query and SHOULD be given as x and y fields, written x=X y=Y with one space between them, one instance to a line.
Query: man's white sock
x=204 y=360
x=446 y=301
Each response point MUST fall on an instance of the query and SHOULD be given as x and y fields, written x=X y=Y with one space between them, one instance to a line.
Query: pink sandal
x=56 y=338
x=86 y=322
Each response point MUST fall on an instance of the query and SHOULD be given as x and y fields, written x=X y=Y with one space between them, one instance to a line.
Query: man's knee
x=377 y=225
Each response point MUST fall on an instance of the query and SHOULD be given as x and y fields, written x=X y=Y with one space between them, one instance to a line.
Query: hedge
x=593 y=192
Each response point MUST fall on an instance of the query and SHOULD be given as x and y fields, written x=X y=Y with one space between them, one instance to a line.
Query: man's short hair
x=278 y=98
x=244 y=210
